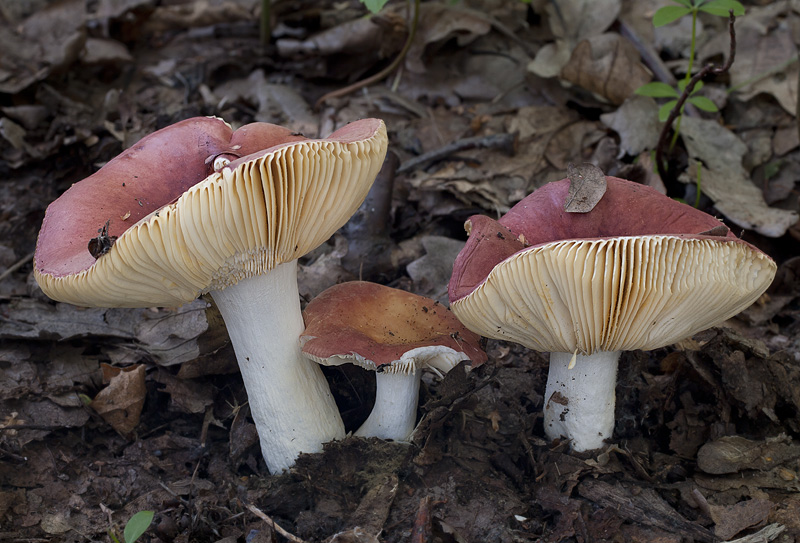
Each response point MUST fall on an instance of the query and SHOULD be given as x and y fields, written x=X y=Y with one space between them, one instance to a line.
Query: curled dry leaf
x=120 y=403
x=607 y=65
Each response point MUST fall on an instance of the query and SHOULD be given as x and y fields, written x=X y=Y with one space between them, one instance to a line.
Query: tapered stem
x=579 y=401
x=290 y=401
x=395 y=411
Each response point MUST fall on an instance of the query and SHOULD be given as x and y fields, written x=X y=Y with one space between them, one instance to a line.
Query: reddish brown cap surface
x=377 y=326
x=183 y=229
x=638 y=271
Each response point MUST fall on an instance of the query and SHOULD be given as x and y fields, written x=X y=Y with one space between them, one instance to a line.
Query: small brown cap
x=378 y=327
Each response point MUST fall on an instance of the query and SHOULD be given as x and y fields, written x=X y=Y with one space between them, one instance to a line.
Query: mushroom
x=199 y=208
x=394 y=333
x=639 y=271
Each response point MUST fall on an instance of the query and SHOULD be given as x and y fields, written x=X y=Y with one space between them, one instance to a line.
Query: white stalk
x=395 y=411
x=579 y=401
x=289 y=399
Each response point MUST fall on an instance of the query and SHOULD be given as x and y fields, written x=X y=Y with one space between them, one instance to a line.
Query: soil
x=108 y=412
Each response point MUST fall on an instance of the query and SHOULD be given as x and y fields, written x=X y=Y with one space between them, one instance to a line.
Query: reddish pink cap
x=640 y=270
x=173 y=227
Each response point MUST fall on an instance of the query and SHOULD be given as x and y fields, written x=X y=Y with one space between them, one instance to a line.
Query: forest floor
x=498 y=97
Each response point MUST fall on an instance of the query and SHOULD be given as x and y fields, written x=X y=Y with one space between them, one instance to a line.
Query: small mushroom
x=394 y=333
x=639 y=271
x=228 y=213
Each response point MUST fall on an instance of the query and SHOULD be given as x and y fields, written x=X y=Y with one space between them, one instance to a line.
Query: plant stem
x=265 y=28
x=697 y=184
x=383 y=73
x=686 y=80
x=708 y=69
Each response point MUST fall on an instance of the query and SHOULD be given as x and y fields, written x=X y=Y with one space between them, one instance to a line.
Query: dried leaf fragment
x=120 y=403
x=587 y=185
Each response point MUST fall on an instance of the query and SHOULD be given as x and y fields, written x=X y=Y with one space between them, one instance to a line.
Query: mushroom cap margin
x=183 y=249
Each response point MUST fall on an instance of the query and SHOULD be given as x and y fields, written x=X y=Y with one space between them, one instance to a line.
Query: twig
x=257 y=512
x=16 y=265
x=506 y=142
x=708 y=69
x=649 y=54
x=383 y=73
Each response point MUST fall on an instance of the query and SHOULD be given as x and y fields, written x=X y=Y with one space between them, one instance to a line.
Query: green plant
x=136 y=526
x=657 y=89
x=374 y=5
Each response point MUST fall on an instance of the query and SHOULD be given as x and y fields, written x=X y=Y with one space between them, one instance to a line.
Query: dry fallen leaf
x=120 y=403
x=636 y=122
x=725 y=181
x=587 y=185
x=764 y=63
x=607 y=65
x=571 y=21
x=732 y=519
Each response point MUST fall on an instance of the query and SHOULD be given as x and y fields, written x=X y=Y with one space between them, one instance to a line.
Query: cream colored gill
x=234 y=224
x=659 y=289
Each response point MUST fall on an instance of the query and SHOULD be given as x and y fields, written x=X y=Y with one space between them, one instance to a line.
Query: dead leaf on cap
x=120 y=403
x=587 y=185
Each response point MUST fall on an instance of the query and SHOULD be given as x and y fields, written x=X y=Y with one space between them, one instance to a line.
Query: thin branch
x=708 y=69
x=506 y=142
x=263 y=516
x=16 y=265
x=383 y=73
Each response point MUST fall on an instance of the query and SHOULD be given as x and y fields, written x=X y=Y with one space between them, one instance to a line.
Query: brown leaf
x=732 y=519
x=587 y=185
x=120 y=403
x=187 y=396
x=607 y=65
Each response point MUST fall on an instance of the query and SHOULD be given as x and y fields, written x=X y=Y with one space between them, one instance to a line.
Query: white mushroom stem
x=579 y=400
x=290 y=401
x=395 y=411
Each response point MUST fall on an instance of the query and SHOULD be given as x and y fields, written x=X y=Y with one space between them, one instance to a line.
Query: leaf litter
x=704 y=447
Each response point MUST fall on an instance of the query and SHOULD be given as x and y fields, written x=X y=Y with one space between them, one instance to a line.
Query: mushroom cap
x=385 y=329
x=639 y=271
x=183 y=229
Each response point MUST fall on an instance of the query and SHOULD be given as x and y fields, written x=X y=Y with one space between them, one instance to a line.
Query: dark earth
x=108 y=412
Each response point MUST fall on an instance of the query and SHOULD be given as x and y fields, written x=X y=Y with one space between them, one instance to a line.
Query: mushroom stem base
x=289 y=399
x=395 y=411
x=579 y=402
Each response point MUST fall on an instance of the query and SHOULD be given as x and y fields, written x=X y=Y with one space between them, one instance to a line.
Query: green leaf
x=701 y=102
x=374 y=5
x=667 y=14
x=137 y=525
x=656 y=89
x=721 y=7
x=771 y=169
x=665 y=110
x=687 y=3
